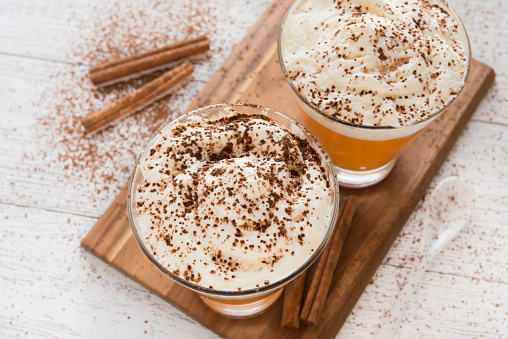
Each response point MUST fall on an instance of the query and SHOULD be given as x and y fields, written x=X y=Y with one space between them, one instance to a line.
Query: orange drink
x=362 y=155
x=369 y=76
x=233 y=201
x=235 y=308
x=354 y=153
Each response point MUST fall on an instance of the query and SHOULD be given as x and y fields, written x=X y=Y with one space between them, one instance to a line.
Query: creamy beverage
x=370 y=74
x=375 y=62
x=232 y=203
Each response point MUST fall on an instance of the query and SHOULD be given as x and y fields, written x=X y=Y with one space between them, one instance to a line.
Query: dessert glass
x=363 y=155
x=248 y=302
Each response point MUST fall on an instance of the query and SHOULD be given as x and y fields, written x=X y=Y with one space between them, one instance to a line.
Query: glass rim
x=252 y=292
x=332 y=119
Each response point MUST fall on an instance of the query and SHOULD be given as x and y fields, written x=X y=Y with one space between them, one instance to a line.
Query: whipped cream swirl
x=375 y=62
x=234 y=203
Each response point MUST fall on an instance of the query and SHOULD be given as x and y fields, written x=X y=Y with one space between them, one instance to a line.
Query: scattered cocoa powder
x=119 y=29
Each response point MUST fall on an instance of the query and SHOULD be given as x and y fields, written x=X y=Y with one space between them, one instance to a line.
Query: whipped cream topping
x=233 y=203
x=374 y=62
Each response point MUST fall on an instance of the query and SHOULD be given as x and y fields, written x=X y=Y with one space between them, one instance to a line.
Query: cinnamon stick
x=114 y=70
x=325 y=279
x=316 y=278
x=137 y=99
x=293 y=293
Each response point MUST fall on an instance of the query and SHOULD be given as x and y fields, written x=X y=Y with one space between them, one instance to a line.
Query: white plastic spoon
x=450 y=208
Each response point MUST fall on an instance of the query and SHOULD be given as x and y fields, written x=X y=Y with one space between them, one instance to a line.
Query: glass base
x=242 y=308
x=360 y=179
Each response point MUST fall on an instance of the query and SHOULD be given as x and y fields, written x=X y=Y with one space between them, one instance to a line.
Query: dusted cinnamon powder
x=231 y=203
x=115 y=30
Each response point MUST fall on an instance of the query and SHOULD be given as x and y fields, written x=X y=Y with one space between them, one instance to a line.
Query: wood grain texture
x=255 y=77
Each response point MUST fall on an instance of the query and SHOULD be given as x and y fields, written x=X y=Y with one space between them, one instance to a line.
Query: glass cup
x=362 y=155
x=248 y=302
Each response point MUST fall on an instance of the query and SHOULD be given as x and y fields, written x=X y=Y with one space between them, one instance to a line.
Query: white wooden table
x=54 y=183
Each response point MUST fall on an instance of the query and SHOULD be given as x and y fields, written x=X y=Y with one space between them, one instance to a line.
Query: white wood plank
x=29 y=27
x=44 y=152
x=94 y=31
x=53 y=288
x=463 y=292
x=65 y=289
x=75 y=30
x=443 y=306
x=487 y=27
x=88 y=32
x=480 y=156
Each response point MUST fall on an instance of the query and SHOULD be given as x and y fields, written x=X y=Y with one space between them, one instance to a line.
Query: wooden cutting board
x=252 y=74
